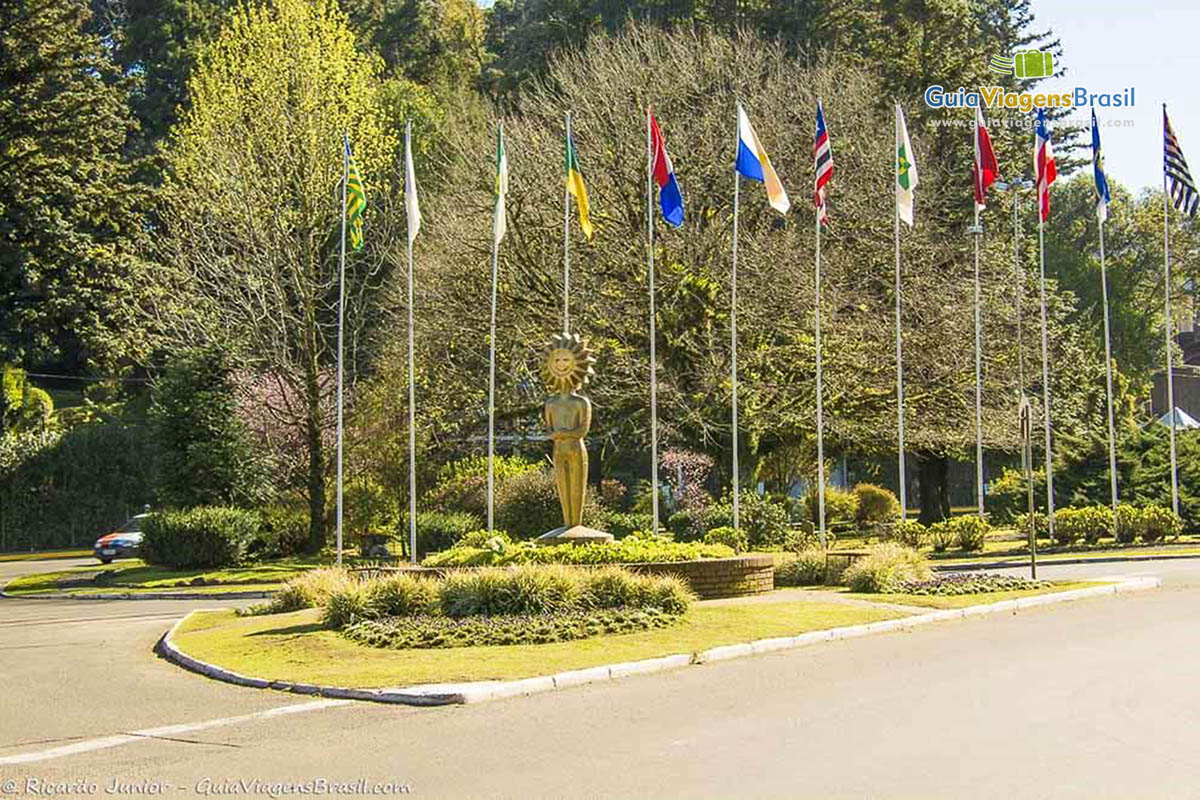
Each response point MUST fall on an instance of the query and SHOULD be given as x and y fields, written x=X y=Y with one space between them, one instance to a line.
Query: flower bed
x=959 y=583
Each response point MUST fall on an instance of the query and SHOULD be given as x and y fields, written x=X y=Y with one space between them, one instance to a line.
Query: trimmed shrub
x=841 y=506
x=910 y=533
x=630 y=550
x=405 y=633
x=687 y=524
x=621 y=524
x=1088 y=524
x=284 y=532
x=887 y=566
x=1127 y=523
x=1159 y=523
x=1041 y=524
x=876 y=505
x=969 y=532
x=806 y=569
x=527 y=505
x=206 y=536
x=764 y=521
x=941 y=536
x=734 y=540
x=438 y=531
x=400 y=595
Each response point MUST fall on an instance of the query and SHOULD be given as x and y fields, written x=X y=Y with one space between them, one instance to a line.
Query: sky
x=1150 y=45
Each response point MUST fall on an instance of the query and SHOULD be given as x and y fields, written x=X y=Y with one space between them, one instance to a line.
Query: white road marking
x=105 y=742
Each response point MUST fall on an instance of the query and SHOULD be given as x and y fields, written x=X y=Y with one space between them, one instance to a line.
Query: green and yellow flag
x=576 y=188
x=356 y=200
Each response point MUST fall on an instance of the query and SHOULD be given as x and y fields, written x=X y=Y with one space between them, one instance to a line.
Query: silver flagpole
x=820 y=404
x=899 y=337
x=733 y=335
x=1108 y=377
x=978 y=231
x=653 y=350
x=341 y=318
x=1019 y=281
x=567 y=232
x=1045 y=368
x=491 y=477
x=412 y=390
x=1167 y=335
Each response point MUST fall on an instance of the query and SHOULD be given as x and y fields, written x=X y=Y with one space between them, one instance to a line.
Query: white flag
x=906 y=171
x=411 y=208
x=500 y=223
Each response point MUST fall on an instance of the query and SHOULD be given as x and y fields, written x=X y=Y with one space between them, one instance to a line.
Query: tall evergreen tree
x=70 y=210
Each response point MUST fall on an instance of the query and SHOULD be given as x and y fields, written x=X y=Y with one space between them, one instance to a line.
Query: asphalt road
x=1093 y=699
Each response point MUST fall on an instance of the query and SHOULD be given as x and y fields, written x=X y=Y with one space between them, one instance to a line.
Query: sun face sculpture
x=568 y=364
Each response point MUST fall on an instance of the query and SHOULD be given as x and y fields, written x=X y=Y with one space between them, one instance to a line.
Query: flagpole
x=653 y=350
x=341 y=321
x=899 y=337
x=491 y=477
x=733 y=336
x=567 y=233
x=1167 y=333
x=978 y=370
x=1108 y=377
x=1019 y=281
x=412 y=386
x=1045 y=369
x=820 y=404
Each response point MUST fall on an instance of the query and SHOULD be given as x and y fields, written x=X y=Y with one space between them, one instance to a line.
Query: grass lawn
x=46 y=555
x=136 y=575
x=293 y=647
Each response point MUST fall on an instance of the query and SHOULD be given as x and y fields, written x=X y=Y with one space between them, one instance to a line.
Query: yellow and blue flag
x=753 y=163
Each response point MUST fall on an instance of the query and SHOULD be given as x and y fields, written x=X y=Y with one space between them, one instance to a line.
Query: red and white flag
x=985 y=169
x=1043 y=165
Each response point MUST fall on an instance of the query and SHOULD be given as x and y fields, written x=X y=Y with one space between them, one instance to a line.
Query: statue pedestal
x=578 y=534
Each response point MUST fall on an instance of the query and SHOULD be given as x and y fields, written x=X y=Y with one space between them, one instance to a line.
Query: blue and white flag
x=1102 y=195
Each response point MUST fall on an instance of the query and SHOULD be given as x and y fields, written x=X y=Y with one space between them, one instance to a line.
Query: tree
x=204 y=454
x=70 y=210
x=607 y=87
x=250 y=208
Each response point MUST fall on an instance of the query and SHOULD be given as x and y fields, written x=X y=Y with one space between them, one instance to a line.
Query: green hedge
x=206 y=536
x=631 y=550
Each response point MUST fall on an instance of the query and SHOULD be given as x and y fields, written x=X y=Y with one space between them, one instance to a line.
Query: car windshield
x=132 y=526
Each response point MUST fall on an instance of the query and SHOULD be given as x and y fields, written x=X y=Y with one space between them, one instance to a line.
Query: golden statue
x=568 y=415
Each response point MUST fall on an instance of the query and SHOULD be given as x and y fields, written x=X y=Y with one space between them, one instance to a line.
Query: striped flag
x=1177 y=179
x=663 y=173
x=356 y=199
x=1043 y=165
x=822 y=164
x=752 y=162
x=985 y=169
x=906 y=171
x=577 y=189
x=1102 y=194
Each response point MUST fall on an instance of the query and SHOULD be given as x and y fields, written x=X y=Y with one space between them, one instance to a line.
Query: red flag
x=1043 y=164
x=985 y=169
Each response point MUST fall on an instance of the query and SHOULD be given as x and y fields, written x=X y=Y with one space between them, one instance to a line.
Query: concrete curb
x=249 y=595
x=481 y=691
x=1050 y=562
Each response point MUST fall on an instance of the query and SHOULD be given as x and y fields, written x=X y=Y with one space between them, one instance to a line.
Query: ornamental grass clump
x=888 y=566
x=307 y=590
x=346 y=605
x=400 y=595
x=518 y=590
x=806 y=569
